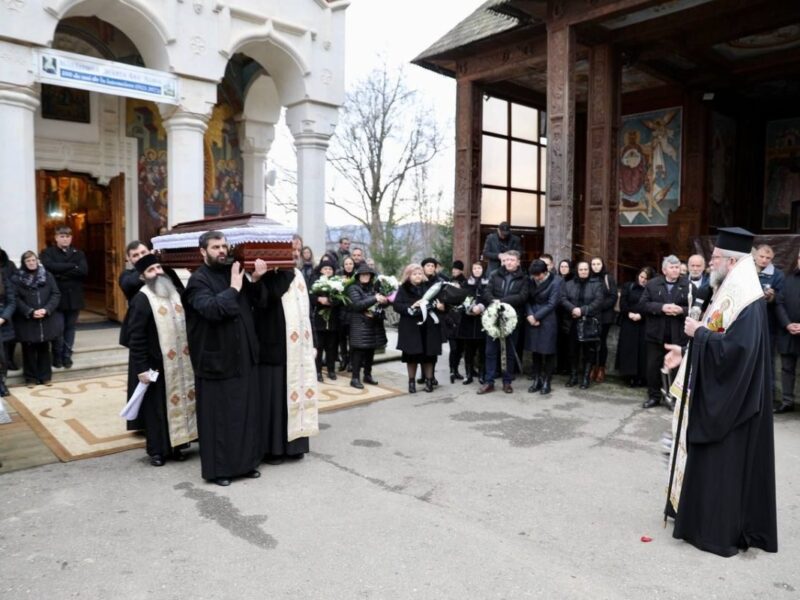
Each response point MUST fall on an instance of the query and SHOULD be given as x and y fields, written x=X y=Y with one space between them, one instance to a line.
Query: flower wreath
x=499 y=320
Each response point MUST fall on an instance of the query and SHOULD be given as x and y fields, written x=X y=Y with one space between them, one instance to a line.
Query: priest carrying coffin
x=722 y=469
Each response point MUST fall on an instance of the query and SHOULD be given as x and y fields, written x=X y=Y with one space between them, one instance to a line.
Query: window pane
x=493 y=206
x=524 y=122
x=543 y=169
x=495 y=116
x=494 y=161
x=542 y=209
x=524 y=165
x=523 y=209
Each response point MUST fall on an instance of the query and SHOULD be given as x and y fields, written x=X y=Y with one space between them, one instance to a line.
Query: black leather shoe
x=458 y=375
x=467 y=380
x=651 y=402
x=573 y=380
x=429 y=385
x=354 y=382
x=546 y=389
x=332 y=375
x=412 y=386
x=67 y=363
x=58 y=364
x=319 y=377
x=3 y=389
x=254 y=474
x=784 y=408
x=507 y=388
x=223 y=481
x=368 y=379
x=157 y=460
x=452 y=377
x=178 y=455
x=536 y=385
x=435 y=382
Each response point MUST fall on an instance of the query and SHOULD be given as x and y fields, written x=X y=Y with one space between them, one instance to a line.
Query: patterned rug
x=80 y=419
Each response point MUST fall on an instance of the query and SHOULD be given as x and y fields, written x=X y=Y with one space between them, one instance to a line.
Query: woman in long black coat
x=582 y=297
x=541 y=327
x=632 y=347
x=366 y=324
x=470 y=329
x=607 y=315
x=8 y=306
x=348 y=271
x=9 y=271
x=325 y=320
x=420 y=343
x=565 y=271
x=37 y=321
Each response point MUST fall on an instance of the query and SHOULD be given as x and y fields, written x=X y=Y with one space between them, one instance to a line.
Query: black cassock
x=727 y=501
x=271 y=331
x=224 y=352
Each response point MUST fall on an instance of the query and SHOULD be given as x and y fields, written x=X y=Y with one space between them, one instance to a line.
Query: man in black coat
x=499 y=243
x=665 y=303
x=787 y=313
x=508 y=284
x=69 y=267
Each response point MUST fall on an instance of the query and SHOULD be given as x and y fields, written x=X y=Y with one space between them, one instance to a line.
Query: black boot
x=536 y=385
x=332 y=374
x=586 y=377
x=452 y=376
x=368 y=379
x=429 y=385
x=573 y=378
x=457 y=375
x=469 y=374
x=546 y=389
x=319 y=376
x=356 y=383
x=412 y=386
x=3 y=389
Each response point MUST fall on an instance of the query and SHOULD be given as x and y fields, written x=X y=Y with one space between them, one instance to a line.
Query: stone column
x=185 y=165
x=312 y=125
x=467 y=200
x=560 y=140
x=601 y=212
x=18 y=228
x=258 y=137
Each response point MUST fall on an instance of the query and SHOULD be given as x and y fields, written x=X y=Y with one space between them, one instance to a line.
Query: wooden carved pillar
x=560 y=140
x=467 y=201
x=601 y=213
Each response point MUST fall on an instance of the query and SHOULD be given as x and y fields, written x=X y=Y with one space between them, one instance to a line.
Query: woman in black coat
x=420 y=343
x=541 y=327
x=565 y=271
x=470 y=330
x=607 y=315
x=582 y=297
x=348 y=271
x=36 y=321
x=632 y=346
x=325 y=320
x=8 y=306
x=307 y=268
x=366 y=326
x=9 y=271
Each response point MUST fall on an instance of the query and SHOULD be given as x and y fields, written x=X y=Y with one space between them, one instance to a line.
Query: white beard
x=161 y=286
x=716 y=278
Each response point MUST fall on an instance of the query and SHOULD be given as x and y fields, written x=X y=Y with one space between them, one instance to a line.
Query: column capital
x=19 y=96
x=312 y=123
x=184 y=120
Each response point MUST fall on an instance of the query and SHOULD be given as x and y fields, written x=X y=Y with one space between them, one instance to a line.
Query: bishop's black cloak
x=727 y=501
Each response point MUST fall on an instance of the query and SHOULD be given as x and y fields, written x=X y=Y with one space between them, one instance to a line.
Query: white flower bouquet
x=333 y=288
x=499 y=320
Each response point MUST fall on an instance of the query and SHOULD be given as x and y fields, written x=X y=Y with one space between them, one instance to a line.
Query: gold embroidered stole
x=739 y=289
x=301 y=373
x=178 y=374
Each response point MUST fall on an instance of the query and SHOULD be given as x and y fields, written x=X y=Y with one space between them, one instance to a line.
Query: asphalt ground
x=441 y=495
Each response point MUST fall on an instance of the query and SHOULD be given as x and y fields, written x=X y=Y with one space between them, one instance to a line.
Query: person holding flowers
x=419 y=333
x=348 y=273
x=470 y=331
x=366 y=324
x=327 y=298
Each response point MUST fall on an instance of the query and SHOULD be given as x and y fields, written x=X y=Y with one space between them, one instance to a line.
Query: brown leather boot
x=593 y=374
x=600 y=377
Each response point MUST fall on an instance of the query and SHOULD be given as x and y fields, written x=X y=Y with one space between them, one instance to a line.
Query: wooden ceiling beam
x=577 y=12
x=503 y=62
x=514 y=92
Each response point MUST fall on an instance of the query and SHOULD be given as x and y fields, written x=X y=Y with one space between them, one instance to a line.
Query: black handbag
x=588 y=329
x=452 y=295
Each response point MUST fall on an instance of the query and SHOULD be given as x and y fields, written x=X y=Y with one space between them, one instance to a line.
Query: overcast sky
x=395 y=32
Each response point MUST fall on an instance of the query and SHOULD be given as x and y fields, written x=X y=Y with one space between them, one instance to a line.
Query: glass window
x=493 y=206
x=542 y=209
x=524 y=122
x=495 y=116
x=543 y=169
x=524 y=209
x=494 y=161
x=524 y=165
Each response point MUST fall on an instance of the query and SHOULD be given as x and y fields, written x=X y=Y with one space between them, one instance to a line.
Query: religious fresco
x=649 y=167
x=722 y=165
x=224 y=193
x=781 y=173
x=143 y=122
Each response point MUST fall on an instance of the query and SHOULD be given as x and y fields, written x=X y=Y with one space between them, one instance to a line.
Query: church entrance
x=95 y=213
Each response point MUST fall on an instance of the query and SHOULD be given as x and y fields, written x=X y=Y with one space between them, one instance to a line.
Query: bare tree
x=385 y=136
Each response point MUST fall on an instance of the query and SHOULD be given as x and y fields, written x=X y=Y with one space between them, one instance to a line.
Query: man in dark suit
x=498 y=243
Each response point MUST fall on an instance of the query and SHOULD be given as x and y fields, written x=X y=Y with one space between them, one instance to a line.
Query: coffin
x=250 y=236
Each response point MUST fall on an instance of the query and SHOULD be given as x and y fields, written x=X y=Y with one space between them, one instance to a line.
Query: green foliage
x=442 y=248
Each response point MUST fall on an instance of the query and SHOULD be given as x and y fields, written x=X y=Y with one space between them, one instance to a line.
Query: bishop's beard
x=161 y=286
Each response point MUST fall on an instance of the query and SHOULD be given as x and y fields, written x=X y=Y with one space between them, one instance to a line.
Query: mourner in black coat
x=69 y=267
x=326 y=320
x=9 y=271
x=348 y=271
x=498 y=243
x=367 y=332
x=8 y=306
x=509 y=284
x=430 y=266
x=563 y=361
x=787 y=313
x=452 y=318
x=632 y=346
x=37 y=321
x=470 y=330
x=582 y=298
x=664 y=304
x=418 y=336
x=541 y=324
x=607 y=315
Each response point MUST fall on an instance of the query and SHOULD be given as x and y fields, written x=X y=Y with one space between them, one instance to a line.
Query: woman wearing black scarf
x=582 y=297
x=348 y=271
x=607 y=315
x=632 y=347
x=566 y=273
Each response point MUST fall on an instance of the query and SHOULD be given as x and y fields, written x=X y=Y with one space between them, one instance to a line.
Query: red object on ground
x=647 y=538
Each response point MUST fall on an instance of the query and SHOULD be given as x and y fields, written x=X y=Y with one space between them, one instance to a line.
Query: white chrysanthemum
x=499 y=320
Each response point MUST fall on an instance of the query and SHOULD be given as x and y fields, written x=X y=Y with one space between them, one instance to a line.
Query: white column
x=312 y=125
x=18 y=228
x=185 y=166
x=258 y=137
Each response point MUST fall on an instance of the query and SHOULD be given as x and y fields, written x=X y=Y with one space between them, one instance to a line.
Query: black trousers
x=655 y=360
x=543 y=364
x=62 y=345
x=581 y=354
x=3 y=362
x=456 y=352
x=36 y=364
x=361 y=357
x=788 y=370
x=474 y=349
x=327 y=341
x=344 y=341
x=603 y=357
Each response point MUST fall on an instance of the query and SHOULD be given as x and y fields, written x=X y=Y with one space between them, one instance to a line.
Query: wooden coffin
x=250 y=236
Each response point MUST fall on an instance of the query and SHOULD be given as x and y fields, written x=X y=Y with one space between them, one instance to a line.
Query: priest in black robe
x=224 y=351
x=727 y=498
x=271 y=331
